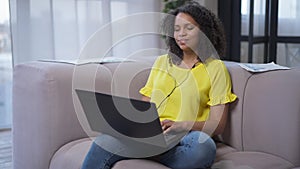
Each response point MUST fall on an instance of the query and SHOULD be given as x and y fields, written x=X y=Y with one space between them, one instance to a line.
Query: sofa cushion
x=251 y=160
x=223 y=149
x=138 y=163
x=71 y=155
x=128 y=77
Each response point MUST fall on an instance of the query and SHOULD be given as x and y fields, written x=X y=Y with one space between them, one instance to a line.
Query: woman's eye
x=190 y=27
x=176 y=29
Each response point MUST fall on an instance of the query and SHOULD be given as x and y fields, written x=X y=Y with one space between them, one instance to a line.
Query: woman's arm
x=145 y=98
x=216 y=122
x=214 y=125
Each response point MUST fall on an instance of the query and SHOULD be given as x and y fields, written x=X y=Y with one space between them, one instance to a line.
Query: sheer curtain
x=58 y=29
x=288 y=25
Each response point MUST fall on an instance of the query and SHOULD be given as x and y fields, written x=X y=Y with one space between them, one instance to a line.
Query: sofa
x=262 y=131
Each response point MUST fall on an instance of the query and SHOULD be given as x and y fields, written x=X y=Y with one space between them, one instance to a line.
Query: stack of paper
x=259 y=67
x=91 y=60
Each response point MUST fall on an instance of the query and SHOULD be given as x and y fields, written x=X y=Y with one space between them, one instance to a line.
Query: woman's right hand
x=166 y=124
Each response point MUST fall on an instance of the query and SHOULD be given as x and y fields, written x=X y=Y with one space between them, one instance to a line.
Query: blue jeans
x=195 y=150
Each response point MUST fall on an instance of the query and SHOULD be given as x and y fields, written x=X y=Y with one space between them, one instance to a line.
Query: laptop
x=125 y=118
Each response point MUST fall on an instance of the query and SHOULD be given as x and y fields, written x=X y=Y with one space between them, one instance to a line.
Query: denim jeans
x=195 y=150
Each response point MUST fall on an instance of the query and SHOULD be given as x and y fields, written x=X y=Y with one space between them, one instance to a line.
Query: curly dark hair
x=209 y=24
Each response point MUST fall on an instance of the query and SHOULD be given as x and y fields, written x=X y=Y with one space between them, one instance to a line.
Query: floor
x=5 y=149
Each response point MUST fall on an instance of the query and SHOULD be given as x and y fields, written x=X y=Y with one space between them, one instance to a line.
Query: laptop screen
x=130 y=117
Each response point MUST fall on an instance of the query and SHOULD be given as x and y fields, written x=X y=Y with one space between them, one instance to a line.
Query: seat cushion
x=138 y=163
x=251 y=160
x=223 y=149
x=71 y=155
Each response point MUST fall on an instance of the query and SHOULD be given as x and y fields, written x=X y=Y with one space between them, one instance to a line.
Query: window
x=267 y=30
x=5 y=67
x=253 y=33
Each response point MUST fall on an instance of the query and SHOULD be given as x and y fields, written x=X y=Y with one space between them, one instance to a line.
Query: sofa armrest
x=46 y=111
x=44 y=118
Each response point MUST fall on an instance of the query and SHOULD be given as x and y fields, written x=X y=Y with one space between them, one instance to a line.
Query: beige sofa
x=263 y=129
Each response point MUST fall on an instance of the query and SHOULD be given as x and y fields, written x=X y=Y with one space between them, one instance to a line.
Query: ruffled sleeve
x=148 y=88
x=146 y=91
x=220 y=91
x=222 y=99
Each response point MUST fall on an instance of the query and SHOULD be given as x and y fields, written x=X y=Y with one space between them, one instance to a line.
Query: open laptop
x=124 y=118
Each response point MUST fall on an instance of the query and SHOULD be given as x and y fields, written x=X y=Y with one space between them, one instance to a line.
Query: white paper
x=91 y=60
x=261 y=67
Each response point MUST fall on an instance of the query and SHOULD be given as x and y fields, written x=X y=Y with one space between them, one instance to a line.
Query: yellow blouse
x=187 y=94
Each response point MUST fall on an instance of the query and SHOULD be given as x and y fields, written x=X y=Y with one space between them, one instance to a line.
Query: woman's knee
x=202 y=149
x=201 y=141
x=198 y=138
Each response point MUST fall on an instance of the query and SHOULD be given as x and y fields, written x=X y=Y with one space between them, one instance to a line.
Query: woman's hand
x=170 y=126
x=214 y=125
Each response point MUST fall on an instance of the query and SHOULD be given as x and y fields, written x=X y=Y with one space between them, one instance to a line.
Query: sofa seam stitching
x=243 y=101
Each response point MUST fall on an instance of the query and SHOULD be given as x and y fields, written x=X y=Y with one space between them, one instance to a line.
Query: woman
x=190 y=87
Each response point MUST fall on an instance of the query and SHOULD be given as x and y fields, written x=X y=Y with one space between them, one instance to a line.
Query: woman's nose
x=182 y=32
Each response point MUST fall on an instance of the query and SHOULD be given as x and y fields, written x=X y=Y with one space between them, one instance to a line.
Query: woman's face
x=186 y=32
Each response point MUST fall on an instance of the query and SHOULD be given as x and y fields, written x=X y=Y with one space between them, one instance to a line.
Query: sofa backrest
x=129 y=78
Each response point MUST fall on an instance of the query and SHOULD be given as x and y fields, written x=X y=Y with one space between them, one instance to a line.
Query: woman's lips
x=182 y=41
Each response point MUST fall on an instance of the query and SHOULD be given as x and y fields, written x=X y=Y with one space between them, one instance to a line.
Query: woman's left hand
x=170 y=126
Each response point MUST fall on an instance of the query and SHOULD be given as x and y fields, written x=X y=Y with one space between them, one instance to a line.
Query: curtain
x=288 y=25
x=59 y=29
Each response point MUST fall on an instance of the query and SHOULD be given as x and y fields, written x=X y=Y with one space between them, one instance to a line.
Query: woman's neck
x=189 y=55
x=189 y=60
